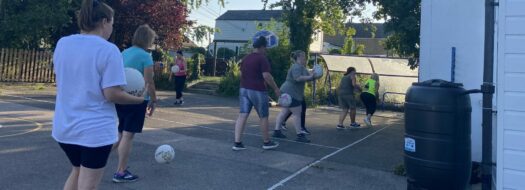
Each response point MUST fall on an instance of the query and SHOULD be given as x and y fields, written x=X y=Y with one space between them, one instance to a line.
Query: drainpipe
x=488 y=91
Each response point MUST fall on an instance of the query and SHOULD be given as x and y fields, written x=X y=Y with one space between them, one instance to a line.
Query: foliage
x=195 y=68
x=349 y=41
x=225 y=53
x=194 y=4
x=403 y=18
x=32 y=23
x=335 y=52
x=306 y=17
x=360 y=49
x=200 y=33
x=229 y=84
x=199 y=50
x=166 y=17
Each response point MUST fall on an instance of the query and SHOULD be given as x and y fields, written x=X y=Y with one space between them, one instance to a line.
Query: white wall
x=511 y=95
x=453 y=23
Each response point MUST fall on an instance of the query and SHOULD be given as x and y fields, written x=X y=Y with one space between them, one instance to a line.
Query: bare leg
x=283 y=115
x=72 y=180
x=264 y=129
x=296 y=112
x=352 y=114
x=239 y=126
x=124 y=148
x=342 y=116
x=89 y=179
x=115 y=146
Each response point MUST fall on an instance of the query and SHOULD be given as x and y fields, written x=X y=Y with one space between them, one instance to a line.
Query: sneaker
x=125 y=177
x=368 y=122
x=305 y=131
x=270 y=145
x=176 y=103
x=340 y=127
x=302 y=138
x=283 y=127
x=278 y=134
x=181 y=103
x=355 y=125
x=238 y=146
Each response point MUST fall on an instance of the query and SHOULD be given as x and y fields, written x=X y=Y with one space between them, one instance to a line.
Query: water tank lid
x=438 y=83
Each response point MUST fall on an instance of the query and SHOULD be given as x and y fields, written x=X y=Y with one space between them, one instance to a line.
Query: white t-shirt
x=84 y=65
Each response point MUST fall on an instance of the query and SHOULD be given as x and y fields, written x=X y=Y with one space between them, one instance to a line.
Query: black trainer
x=340 y=127
x=302 y=138
x=270 y=145
x=278 y=134
x=238 y=146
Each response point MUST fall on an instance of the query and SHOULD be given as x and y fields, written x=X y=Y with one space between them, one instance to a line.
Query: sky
x=206 y=14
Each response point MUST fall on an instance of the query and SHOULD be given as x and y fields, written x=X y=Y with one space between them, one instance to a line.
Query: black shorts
x=131 y=117
x=93 y=158
x=295 y=103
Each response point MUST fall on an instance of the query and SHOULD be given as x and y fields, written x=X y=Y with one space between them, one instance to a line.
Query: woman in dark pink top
x=180 y=77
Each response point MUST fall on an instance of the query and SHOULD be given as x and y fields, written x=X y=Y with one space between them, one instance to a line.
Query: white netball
x=318 y=71
x=175 y=69
x=135 y=82
x=164 y=154
x=285 y=100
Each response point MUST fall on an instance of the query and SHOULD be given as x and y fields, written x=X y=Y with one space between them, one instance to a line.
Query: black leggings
x=370 y=102
x=180 y=81
x=303 y=115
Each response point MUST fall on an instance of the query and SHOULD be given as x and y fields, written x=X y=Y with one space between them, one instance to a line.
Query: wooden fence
x=18 y=65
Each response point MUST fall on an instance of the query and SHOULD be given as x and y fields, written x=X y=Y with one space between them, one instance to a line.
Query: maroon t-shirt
x=252 y=68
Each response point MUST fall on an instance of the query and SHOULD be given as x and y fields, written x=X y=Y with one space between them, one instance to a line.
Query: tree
x=305 y=17
x=403 y=18
x=349 y=41
x=31 y=23
x=166 y=17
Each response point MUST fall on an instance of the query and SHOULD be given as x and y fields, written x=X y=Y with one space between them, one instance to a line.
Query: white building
x=460 y=23
x=237 y=27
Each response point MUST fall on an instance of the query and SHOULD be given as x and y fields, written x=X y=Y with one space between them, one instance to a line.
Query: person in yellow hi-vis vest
x=370 y=96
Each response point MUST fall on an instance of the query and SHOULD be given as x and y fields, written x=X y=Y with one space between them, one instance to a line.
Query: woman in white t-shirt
x=89 y=72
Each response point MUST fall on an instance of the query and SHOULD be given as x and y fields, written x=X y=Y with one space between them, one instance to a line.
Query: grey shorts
x=257 y=99
x=347 y=101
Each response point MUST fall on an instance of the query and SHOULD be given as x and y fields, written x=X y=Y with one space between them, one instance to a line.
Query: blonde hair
x=144 y=36
x=295 y=54
x=91 y=13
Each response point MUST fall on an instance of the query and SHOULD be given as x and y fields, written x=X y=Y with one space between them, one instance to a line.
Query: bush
x=334 y=52
x=195 y=66
x=229 y=84
x=360 y=49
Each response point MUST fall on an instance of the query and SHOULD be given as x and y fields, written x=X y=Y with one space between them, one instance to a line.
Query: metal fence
x=19 y=65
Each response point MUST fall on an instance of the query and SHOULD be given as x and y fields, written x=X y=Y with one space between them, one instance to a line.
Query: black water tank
x=437 y=136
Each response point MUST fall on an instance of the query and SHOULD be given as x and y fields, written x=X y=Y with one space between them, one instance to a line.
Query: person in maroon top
x=255 y=76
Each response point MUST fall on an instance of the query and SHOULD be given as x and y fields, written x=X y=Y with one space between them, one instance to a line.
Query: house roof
x=261 y=15
x=362 y=31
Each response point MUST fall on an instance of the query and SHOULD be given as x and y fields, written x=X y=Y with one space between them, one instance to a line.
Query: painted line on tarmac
x=22 y=97
x=251 y=134
x=214 y=118
x=281 y=183
x=38 y=127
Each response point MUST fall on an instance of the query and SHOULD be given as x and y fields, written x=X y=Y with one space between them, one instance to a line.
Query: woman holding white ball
x=296 y=79
x=178 y=71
